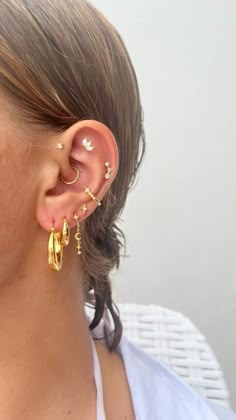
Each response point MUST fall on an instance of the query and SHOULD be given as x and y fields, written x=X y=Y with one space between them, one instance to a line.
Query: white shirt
x=157 y=392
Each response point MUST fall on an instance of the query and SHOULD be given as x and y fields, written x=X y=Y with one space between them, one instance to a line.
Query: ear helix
x=57 y=240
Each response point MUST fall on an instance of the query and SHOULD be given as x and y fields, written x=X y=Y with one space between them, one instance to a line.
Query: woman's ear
x=90 y=147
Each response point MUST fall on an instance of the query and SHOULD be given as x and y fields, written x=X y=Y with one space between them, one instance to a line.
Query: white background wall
x=180 y=220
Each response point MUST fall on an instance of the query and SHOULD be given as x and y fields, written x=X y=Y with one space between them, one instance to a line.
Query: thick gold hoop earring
x=55 y=250
x=74 y=180
x=65 y=233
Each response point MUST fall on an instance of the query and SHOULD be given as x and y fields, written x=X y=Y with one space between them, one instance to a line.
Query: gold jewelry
x=55 y=250
x=65 y=233
x=109 y=170
x=60 y=145
x=89 y=192
x=78 y=234
x=71 y=182
x=87 y=144
x=84 y=208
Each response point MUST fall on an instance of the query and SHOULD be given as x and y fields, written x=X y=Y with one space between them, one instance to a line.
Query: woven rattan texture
x=174 y=339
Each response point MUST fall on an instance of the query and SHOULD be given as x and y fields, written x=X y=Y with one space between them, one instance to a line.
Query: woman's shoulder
x=158 y=393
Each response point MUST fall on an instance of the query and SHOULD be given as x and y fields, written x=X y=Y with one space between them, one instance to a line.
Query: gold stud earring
x=109 y=170
x=78 y=234
x=84 y=208
x=60 y=145
x=87 y=144
x=65 y=233
x=74 y=180
x=55 y=250
x=89 y=192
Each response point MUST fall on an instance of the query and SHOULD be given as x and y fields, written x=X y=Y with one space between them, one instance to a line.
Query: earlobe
x=90 y=148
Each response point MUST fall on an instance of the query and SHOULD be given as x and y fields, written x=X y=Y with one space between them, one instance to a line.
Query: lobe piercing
x=78 y=234
x=84 y=208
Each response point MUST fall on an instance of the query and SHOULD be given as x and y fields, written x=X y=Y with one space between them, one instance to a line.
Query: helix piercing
x=109 y=170
x=89 y=192
x=84 y=208
x=65 y=233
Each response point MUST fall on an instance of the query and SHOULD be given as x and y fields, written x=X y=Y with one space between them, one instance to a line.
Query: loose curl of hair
x=63 y=61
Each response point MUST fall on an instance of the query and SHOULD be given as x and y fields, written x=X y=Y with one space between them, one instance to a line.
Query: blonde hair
x=62 y=61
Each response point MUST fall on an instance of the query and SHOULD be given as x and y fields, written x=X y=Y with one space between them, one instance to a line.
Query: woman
x=71 y=141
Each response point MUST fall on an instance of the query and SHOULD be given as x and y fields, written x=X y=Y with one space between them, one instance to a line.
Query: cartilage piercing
x=109 y=170
x=87 y=144
x=89 y=192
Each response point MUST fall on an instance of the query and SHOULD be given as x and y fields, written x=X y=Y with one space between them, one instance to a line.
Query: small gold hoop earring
x=74 y=180
x=89 y=192
x=55 y=250
x=65 y=233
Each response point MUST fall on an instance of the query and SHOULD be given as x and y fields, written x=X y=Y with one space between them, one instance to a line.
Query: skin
x=46 y=365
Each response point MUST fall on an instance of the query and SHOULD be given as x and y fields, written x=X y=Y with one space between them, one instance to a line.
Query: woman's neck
x=46 y=360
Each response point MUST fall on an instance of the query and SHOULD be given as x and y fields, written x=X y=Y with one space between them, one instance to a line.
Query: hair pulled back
x=62 y=61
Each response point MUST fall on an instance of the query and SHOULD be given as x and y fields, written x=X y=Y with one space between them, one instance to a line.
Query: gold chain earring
x=55 y=250
x=78 y=234
x=65 y=233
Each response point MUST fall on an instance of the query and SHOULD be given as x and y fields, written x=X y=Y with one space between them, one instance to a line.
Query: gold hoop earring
x=89 y=192
x=78 y=234
x=74 y=180
x=65 y=233
x=55 y=250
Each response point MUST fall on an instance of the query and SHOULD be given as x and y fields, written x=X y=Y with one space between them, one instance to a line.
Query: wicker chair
x=171 y=337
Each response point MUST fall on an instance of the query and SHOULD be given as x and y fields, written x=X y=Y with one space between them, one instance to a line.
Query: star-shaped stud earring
x=60 y=145
x=84 y=208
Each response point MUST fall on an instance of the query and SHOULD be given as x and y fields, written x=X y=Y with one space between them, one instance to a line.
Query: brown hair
x=62 y=61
